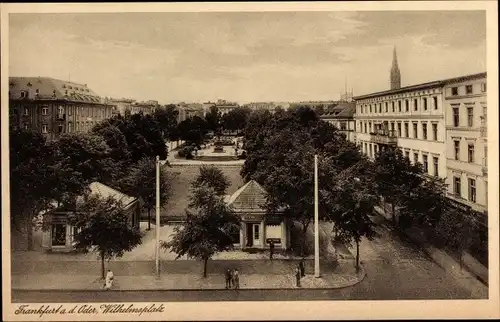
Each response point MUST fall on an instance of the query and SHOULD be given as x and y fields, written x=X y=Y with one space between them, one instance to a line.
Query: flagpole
x=157 y=248
x=316 y=219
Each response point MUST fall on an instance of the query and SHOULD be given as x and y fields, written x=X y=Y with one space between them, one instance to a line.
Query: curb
x=361 y=276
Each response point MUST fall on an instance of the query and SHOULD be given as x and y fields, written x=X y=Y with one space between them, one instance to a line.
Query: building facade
x=342 y=117
x=411 y=118
x=122 y=105
x=53 y=107
x=257 y=227
x=467 y=140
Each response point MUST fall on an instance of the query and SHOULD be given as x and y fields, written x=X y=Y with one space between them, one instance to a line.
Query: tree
x=206 y=230
x=213 y=119
x=192 y=130
x=119 y=149
x=212 y=177
x=355 y=204
x=141 y=182
x=236 y=119
x=103 y=227
x=166 y=117
x=80 y=159
x=31 y=179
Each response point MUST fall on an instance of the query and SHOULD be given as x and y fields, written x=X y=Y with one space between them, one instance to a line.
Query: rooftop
x=436 y=83
x=107 y=192
x=249 y=198
x=46 y=88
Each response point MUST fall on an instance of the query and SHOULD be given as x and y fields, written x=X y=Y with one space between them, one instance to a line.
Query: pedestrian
x=228 y=278
x=297 y=276
x=271 y=249
x=302 y=268
x=108 y=282
x=236 y=279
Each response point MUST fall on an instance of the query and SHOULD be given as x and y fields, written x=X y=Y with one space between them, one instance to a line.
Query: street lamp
x=316 y=219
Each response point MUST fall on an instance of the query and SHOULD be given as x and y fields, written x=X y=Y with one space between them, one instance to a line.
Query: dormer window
x=64 y=86
x=29 y=84
x=23 y=94
x=37 y=91
x=66 y=92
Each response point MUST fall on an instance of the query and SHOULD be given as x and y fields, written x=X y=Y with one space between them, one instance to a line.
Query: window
x=457 y=187
x=426 y=163
x=456 y=117
x=454 y=91
x=45 y=128
x=415 y=157
x=407 y=154
x=424 y=130
x=69 y=111
x=415 y=104
x=435 y=161
x=434 y=131
x=399 y=106
x=468 y=89
x=415 y=130
x=70 y=127
x=425 y=103
x=399 y=129
x=407 y=132
x=387 y=107
x=23 y=94
x=472 y=190
x=370 y=147
x=470 y=153
x=26 y=126
x=470 y=116
x=60 y=128
x=77 y=127
x=343 y=126
x=435 y=102
x=407 y=105
x=26 y=111
x=392 y=128
x=483 y=87
x=370 y=108
x=45 y=110
x=392 y=106
x=58 y=235
x=366 y=130
x=457 y=149
x=485 y=160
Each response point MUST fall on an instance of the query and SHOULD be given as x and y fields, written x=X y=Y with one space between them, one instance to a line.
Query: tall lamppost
x=316 y=219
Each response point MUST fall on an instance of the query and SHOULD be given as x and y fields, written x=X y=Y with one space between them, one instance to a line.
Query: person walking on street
x=297 y=276
x=228 y=278
x=108 y=282
x=271 y=249
x=302 y=268
x=236 y=279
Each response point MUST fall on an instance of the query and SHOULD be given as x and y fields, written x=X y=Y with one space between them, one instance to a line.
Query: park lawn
x=183 y=175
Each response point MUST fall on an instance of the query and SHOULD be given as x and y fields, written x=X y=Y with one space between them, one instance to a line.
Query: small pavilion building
x=59 y=238
x=258 y=227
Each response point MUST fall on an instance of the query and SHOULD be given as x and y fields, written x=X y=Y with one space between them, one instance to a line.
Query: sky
x=246 y=56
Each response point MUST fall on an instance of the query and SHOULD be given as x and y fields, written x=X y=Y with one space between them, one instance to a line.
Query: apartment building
x=342 y=117
x=466 y=140
x=52 y=106
x=411 y=118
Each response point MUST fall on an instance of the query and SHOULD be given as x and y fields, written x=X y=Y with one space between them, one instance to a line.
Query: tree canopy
x=103 y=227
x=212 y=177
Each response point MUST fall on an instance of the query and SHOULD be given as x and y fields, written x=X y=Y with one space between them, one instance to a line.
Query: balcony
x=61 y=117
x=383 y=136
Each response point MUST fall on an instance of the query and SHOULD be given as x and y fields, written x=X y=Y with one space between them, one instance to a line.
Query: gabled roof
x=46 y=88
x=341 y=110
x=249 y=198
x=106 y=192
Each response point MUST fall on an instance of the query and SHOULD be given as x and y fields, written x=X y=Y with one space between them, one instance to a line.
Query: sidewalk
x=445 y=261
x=182 y=282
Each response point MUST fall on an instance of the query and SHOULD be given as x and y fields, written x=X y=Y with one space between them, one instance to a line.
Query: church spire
x=395 y=74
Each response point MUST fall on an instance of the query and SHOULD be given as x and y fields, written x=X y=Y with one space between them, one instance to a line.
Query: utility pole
x=157 y=249
x=316 y=219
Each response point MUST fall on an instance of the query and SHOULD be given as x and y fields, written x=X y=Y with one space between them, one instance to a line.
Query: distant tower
x=395 y=74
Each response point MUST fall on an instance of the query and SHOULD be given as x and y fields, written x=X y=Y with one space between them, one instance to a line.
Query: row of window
x=457 y=188
x=470 y=116
x=368 y=127
x=469 y=89
x=371 y=150
x=79 y=126
x=378 y=107
x=79 y=111
x=470 y=152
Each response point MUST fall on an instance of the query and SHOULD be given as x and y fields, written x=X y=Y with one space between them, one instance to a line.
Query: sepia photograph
x=195 y=157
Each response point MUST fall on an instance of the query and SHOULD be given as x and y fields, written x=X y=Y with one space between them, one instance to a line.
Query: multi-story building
x=225 y=107
x=52 y=106
x=466 y=140
x=147 y=107
x=122 y=105
x=342 y=117
x=410 y=117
